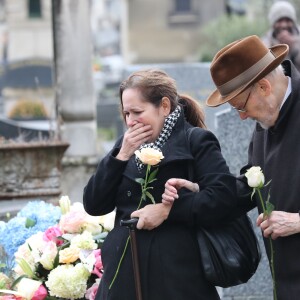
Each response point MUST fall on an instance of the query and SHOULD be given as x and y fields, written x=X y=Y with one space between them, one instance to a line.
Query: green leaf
x=149 y=188
x=2 y=284
x=150 y=197
x=152 y=175
x=29 y=223
x=152 y=180
x=268 y=183
x=56 y=260
x=25 y=267
x=269 y=208
x=252 y=194
x=144 y=196
x=140 y=180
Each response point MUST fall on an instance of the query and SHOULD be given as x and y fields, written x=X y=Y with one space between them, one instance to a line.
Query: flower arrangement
x=256 y=180
x=62 y=261
x=34 y=217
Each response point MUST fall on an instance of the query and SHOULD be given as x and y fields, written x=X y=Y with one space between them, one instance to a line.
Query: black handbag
x=230 y=253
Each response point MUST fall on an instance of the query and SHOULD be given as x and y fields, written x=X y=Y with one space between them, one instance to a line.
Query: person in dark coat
x=156 y=116
x=260 y=84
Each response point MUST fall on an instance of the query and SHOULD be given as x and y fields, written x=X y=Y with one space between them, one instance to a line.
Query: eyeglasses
x=242 y=109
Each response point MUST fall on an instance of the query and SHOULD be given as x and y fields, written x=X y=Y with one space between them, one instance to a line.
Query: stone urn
x=31 y=169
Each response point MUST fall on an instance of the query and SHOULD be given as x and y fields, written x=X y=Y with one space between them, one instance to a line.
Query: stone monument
x=73 y=76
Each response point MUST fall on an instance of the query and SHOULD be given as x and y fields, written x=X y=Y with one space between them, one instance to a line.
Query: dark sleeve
x=100 y=192
x=245 y=202
x=217 y=198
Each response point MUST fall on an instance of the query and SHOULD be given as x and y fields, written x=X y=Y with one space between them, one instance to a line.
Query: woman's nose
x=131 y=121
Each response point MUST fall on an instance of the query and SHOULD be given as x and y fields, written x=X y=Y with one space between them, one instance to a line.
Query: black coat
x=277 y=152
x=168 y=255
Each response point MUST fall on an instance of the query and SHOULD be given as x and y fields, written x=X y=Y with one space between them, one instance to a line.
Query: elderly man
x=259 y=84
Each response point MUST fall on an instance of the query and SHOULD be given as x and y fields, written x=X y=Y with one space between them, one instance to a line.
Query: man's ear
x=264 y=87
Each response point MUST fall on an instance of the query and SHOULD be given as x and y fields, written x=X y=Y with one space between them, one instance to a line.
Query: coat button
x=128 y=193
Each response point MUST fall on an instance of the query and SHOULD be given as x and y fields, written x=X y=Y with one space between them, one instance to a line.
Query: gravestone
x=234 y=136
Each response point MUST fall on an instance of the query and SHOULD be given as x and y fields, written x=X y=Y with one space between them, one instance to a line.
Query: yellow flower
x=69 y=255
x=149 y=156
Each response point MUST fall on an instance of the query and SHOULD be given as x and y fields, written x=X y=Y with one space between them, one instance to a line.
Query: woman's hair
x=155 y=84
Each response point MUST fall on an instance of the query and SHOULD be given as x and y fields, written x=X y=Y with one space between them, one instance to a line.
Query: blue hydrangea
x=14 y=233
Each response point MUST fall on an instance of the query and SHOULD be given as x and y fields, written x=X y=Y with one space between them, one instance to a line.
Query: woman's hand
x=152 y=215
x=173 y=185
x=134 y=137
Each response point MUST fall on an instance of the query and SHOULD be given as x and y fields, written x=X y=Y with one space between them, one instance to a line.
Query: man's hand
x=279 y=224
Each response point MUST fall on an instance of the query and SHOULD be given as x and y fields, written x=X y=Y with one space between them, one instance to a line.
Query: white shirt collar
x=287 y=92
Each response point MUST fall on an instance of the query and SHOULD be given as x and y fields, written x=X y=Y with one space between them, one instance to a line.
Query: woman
x=168 y=252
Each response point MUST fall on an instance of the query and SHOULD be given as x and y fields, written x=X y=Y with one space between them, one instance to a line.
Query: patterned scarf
x=165 y=133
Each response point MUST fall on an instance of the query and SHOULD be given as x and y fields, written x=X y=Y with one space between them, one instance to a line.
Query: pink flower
x=52 y=234
x=40 y=294
x=73 y=222
x=92 y=291
x=98 y=267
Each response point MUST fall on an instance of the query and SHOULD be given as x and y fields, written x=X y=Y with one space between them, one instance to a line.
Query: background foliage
x=226 y=29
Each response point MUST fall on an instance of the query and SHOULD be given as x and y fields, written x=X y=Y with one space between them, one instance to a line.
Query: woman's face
x=137 y=110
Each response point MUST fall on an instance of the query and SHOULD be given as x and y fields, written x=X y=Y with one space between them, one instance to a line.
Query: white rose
x=27 y=287
x=64 y=203
x=149 y=156
x=48 y=255
x=109 y=220
x=255 y=177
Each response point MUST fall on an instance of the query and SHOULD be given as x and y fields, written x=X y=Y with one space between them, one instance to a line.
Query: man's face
x=284 y=24
x=250 y=104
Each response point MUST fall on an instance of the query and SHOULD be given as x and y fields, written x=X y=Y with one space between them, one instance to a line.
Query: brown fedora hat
x=240 y=64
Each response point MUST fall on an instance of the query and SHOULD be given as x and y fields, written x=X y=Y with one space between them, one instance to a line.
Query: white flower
x=255 y=177
x=84 y=241
x=30 y=251
x=108 y=220
x=68 y=281
x=92 y=225
x=48 y=255
x=27 y=287
x=88 y=259
x=149 y=156
x=64 y=203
